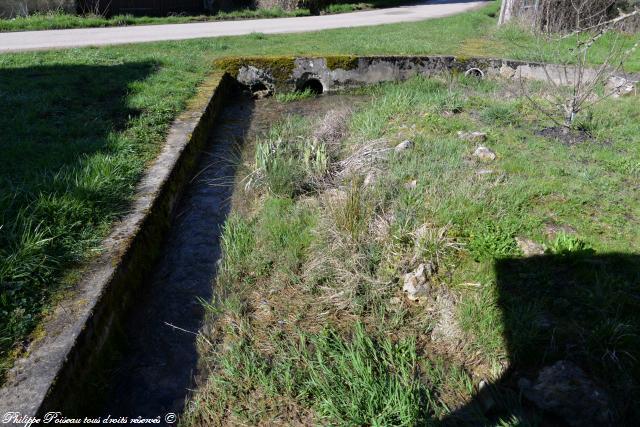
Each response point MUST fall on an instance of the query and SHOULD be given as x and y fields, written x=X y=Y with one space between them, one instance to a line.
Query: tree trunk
x=506 y=11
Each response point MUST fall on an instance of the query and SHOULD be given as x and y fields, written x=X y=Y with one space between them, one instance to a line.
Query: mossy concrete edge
x=336 y=72
x=76 y=336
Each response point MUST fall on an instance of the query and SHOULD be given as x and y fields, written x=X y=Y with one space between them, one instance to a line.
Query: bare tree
x=95 y=7
x=12 y=8
x=573 y=79
x=553 y=16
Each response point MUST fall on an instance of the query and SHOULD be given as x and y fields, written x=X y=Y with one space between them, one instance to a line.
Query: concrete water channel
x=158 y=358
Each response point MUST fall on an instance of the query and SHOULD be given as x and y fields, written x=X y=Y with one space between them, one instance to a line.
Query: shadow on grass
x=52 y=115
x=64 y=175
x=572 y=329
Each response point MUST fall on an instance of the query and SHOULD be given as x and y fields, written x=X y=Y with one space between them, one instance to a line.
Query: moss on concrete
x=343 y=62
x=280 y=67
x=203 y=96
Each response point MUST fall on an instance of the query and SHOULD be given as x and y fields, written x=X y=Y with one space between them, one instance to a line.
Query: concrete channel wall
x=331 y=73
x=76 y=340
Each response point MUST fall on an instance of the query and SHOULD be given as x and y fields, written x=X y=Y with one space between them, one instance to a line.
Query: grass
x=80 y=126
x=57 y=20
x=371 y=4
x=78 y=135
x=294 y=96
x=310 y=293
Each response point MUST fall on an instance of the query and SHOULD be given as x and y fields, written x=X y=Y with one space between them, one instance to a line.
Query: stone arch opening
x=313 y=85
x=474 y=72
x=260 y=89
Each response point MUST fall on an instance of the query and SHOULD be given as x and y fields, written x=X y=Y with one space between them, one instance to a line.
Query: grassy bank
x=311 y=325
x=79 y=126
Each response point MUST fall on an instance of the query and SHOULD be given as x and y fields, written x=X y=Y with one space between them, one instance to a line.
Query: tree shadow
x=199 y=7
x=53 y=119
x=572 y=331
x=51 y=116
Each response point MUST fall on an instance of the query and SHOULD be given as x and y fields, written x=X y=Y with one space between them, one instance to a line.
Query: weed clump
x=289 y=162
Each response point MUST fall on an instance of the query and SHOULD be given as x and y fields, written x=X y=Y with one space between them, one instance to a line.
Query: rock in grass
x=485 y=396
x=404 y=146
x=485 y=172
x=565 y=390
x=415 y=284
x=472 y=136
x=446 y=332
x=529 y=247
x=618 y=86
x=485 y=154
x=261 y=94
x=411 y=185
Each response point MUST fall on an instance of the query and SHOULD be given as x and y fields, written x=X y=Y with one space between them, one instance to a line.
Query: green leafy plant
x=567 y=244
x=491 y=240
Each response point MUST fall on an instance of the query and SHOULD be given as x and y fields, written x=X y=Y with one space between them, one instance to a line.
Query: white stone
x=618 y=86
x=474 y=136
x=403 y=146
x=415 y=284
x=411 y=185
x=529 y=247
x=484 y=153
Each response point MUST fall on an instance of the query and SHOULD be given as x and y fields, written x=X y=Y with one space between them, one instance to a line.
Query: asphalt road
x=56 y=39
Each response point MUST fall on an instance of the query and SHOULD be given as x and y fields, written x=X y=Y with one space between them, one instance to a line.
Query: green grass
x=382 y=390
x=329 y=306
x=80 y=126
x=294 y=96
x=57 y=20
x=287 y=164
x=62 y=20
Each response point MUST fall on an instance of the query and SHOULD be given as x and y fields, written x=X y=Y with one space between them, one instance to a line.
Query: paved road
x=55 y=39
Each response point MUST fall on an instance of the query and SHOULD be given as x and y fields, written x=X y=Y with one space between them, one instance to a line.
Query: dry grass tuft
x=364 y=159
x=446 y=331
x=333 y=129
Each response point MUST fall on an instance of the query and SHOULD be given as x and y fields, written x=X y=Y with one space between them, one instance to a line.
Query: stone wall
x=12 y=8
